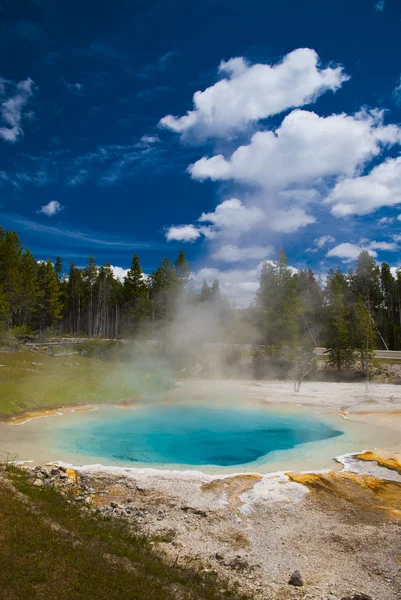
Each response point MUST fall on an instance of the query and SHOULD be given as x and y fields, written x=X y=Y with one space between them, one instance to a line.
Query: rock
x=38 y=483
x=49 y=481
x=358 y=597
x=113 y=504
x=296 y=579
x=88 y=501
x=129 y=500
x=45 y=471
x=219 y=556
x=63 y=475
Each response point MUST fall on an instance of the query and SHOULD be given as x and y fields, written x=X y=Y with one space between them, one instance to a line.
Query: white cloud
x=380 y=5
x=230 y=253
x=363 y=195
x=150 y=139
x=324 y=240
x=389 y=246
x=305 y=149
x=12 y=107
x=182 y=233
x=289 y=221
x=234 y=214
x=51 y=209
x=248 y=93
x=349 y=252
x=385 y=220
x=119 y=273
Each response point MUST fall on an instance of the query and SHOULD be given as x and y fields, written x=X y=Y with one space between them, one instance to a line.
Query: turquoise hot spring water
x=185 y=434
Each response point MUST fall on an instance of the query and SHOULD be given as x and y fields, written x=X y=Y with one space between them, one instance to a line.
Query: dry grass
x=49 y=549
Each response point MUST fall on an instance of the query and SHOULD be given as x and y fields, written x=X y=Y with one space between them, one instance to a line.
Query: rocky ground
x=295 y=536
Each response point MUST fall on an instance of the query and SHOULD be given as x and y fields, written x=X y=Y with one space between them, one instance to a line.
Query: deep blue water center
x=190 y=435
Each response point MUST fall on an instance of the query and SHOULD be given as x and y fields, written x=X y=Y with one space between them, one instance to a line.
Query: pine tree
x=364 y=337
x=136 y=298
x=183 y=272
x=388 y=325
x=10 y=274
x=28 y=289
x=89 y=277
x=58 y=266
x=215 y=291
x=206 y=292
x=279 y=304
x=48 y=306
x=338 y=335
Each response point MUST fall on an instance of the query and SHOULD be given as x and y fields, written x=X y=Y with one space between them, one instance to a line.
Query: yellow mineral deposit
x=72 y=475
x=232 y=488
x=390 y=460
x=366 y=492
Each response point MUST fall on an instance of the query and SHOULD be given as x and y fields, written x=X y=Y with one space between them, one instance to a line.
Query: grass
x=29 y=381
x=48 y=549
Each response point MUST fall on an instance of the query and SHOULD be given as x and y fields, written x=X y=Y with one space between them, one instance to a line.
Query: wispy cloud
x=105 y=165
x=15 y=97
x=397 y=93
x=78 y=237
x=74 y=88
x=163 y=64
x=380 y=5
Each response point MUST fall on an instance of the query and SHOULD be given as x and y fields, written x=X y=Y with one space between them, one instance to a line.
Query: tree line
x=350 y=312
x=36 y=296
x=353 y=312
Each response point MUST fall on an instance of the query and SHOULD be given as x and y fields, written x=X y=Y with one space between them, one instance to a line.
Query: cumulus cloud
x=349 y=252
x=51 y=209
x=15 y=97
x=289 y=221
x=305 y=148
x=233 y=213
x=119 y=273
x=230 y=253
x=182 y=233
x=247 y=93
x=363 y=195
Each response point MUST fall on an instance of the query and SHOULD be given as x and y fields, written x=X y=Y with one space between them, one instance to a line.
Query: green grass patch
x=50 y=550
x=29 y=381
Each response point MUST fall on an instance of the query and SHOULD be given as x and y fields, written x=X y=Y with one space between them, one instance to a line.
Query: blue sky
x=228 y=129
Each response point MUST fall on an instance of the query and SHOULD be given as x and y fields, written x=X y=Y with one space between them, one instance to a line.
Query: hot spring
x=212 y=435
x=190 y=435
